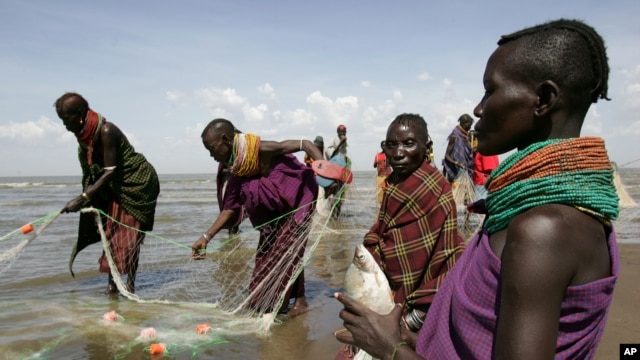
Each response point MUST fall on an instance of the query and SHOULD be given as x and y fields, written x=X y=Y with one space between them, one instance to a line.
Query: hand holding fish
x=378 y=335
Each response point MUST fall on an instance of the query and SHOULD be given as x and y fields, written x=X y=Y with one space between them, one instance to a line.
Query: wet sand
x=623 y=325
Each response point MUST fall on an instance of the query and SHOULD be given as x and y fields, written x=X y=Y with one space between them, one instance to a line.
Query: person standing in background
x=383 y=170
x=319 y=142
x=483 y=165
x=336 y=152
x=338 y=145
x=459 y=156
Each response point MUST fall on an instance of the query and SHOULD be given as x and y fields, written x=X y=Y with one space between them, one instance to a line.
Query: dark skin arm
x=199 y=248
x=449 y=151
x=376 y=334
x=543 y=251
x=271 y=149
x=268 y=151
x=107 y=145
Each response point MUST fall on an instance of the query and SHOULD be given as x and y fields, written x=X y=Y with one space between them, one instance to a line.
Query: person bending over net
x=115 y=179
x=278 y=193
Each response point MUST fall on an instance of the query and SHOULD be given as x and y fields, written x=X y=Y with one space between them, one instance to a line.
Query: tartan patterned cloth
x=415 y=238
x=462 y=321
x=135 y=182
x=135 y=187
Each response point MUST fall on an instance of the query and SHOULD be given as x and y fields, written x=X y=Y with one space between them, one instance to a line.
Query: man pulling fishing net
x=278 y=193
x=115 y=179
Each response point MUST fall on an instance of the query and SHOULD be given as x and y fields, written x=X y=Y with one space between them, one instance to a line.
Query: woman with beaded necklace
x=537 y=281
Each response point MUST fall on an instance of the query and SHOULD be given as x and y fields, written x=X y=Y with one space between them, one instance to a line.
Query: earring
x=81 y=121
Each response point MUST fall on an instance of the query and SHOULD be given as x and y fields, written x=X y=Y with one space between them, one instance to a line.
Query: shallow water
x=45 y=313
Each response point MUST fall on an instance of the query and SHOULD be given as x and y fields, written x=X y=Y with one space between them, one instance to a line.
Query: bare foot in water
x=112 y=289
x=300 y=306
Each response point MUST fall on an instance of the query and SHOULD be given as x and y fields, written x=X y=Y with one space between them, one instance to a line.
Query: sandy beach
x=623 y=325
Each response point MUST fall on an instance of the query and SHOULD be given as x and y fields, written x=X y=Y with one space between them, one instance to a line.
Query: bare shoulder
x=110 y=129
x=565 y=238
x=110 y=134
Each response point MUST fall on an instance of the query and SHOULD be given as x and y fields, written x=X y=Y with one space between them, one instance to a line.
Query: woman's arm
x=539 y=261
x=198 y=250
x=276 y=148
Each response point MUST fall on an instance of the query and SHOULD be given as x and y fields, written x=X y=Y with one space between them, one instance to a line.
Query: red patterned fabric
x=380 y=163
x=89 y=132
x=415 y=239
x=124 y=240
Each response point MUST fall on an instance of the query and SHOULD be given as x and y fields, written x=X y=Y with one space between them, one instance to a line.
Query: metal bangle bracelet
x=414 y=320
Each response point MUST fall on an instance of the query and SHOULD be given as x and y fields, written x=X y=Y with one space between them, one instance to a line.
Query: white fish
x=366 y=283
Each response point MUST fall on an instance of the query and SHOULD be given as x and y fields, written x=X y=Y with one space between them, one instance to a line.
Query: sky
x=161 y=70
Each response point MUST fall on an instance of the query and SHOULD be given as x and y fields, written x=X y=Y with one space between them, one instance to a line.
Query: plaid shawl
x=415 y=239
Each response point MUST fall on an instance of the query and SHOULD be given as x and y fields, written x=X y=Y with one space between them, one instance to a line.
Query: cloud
x=177 y=98
x=214 y=97
x=299 y=117
x=631 y=90
x=33 y=132
x=425 y=76
x=267 y=90
x=365 y=84
x=337 y=112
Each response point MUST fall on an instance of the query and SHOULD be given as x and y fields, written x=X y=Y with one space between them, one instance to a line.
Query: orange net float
x=157 y=349
x=25 y=229
x=202 y=329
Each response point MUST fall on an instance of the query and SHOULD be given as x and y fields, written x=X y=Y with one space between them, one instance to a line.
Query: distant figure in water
x=319 y=142
x=115 y=179
x=538 y=280
x=383 y=169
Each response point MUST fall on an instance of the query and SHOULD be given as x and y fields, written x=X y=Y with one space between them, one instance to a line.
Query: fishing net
x=625 y=200
x=240 y=296
x=464 y=193
x=174 y=294
x=12 y=244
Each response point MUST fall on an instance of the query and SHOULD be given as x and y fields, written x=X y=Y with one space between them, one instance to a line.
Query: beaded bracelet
x=395 y=349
